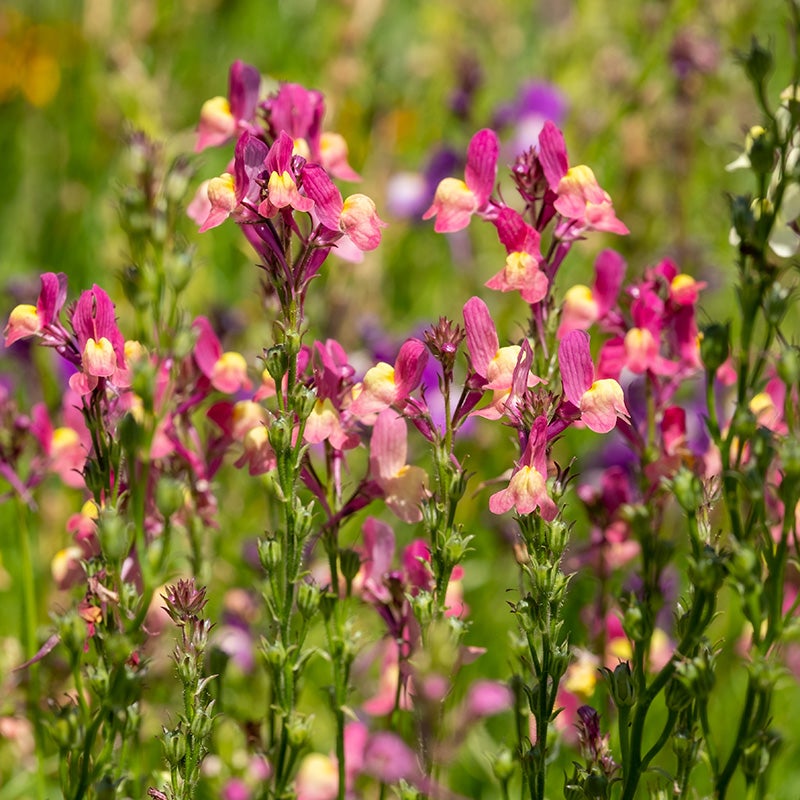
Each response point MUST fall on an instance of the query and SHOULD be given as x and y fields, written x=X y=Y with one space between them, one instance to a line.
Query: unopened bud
x=308 y=599
x=270 y=554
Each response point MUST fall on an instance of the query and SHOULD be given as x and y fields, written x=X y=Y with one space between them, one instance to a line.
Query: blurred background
x=649 y=94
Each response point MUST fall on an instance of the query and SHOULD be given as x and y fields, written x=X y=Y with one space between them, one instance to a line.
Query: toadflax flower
x=581 y=201
x=599 y=402
x=385 y=385
x=404 y=486
x=527 y=489
x=455 y=200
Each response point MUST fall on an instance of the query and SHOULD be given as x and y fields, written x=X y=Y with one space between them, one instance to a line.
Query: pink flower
x=527 y=489
x=356 y=217
x=226 y=371
x=221 y=117
x=487 y=698
x=493 y=364
x=600 y=402
x=404 y=486
x=455 y=200
x=584 y=306
x=99 y=341
x=27 y=320
x=298 y=111
x=282 y=189
x=385 y=385
x=389 y=759
x=379 y=553
x=579 y=197
x=522 y=271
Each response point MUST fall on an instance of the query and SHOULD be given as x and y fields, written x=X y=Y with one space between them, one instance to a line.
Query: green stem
x=721 y=786
x=30 y=623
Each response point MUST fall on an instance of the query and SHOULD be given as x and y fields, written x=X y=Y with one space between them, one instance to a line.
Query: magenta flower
x=455 y=200
x=580 y=199
x=494 y=365
x=221 y=117
x=600 y=402
x=521 y=272
x=298 y=112
x=100 y=343
x=42 y=319
x=385 y=385
x=487 y=698
x=282 y=188
x=356 y=217
x=527 y=489
x=226 y=371
x=389 y=759
x=583 y=306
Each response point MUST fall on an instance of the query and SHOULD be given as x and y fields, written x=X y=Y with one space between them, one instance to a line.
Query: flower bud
x=757 y=62
x=202 y=724
x=677 y=695
x=304 y=401
x=743 y=218
x=685 y=747
x=596 y=784
x=130 y=434
x=776 y=303
x=634 y=623
x=350 y=564
x=708 y=571
x=298 y=728
x=503 y=765
x=276 y=361
x=169 y=496
x=274 y=653
x=688 y=490
x=760 y=151
x=270 y=554
x=308 y=599
x=114 y=535
x=623 y=692
x=327 y=602
x=174 y=744
x=715 y=345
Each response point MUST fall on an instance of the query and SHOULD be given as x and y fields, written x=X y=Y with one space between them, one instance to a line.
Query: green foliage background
x=77 y=77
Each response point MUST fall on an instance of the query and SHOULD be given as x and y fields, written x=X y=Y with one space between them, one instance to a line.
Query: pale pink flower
x=404 y=486
x=527 y=489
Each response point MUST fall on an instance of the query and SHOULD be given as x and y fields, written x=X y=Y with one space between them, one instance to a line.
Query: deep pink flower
x=282 y=188
x=356 y=217
x=494 y=365
x=580 y=199
x=27 y=320
x=455 y=200
x=600 y=402
x=100 y=343
x=389 y=759
x=583 y=306
x=227 y=371
x=221 y=117
x=385 y=385
x=486 y=698
x=298 y=112
x=522 y=271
